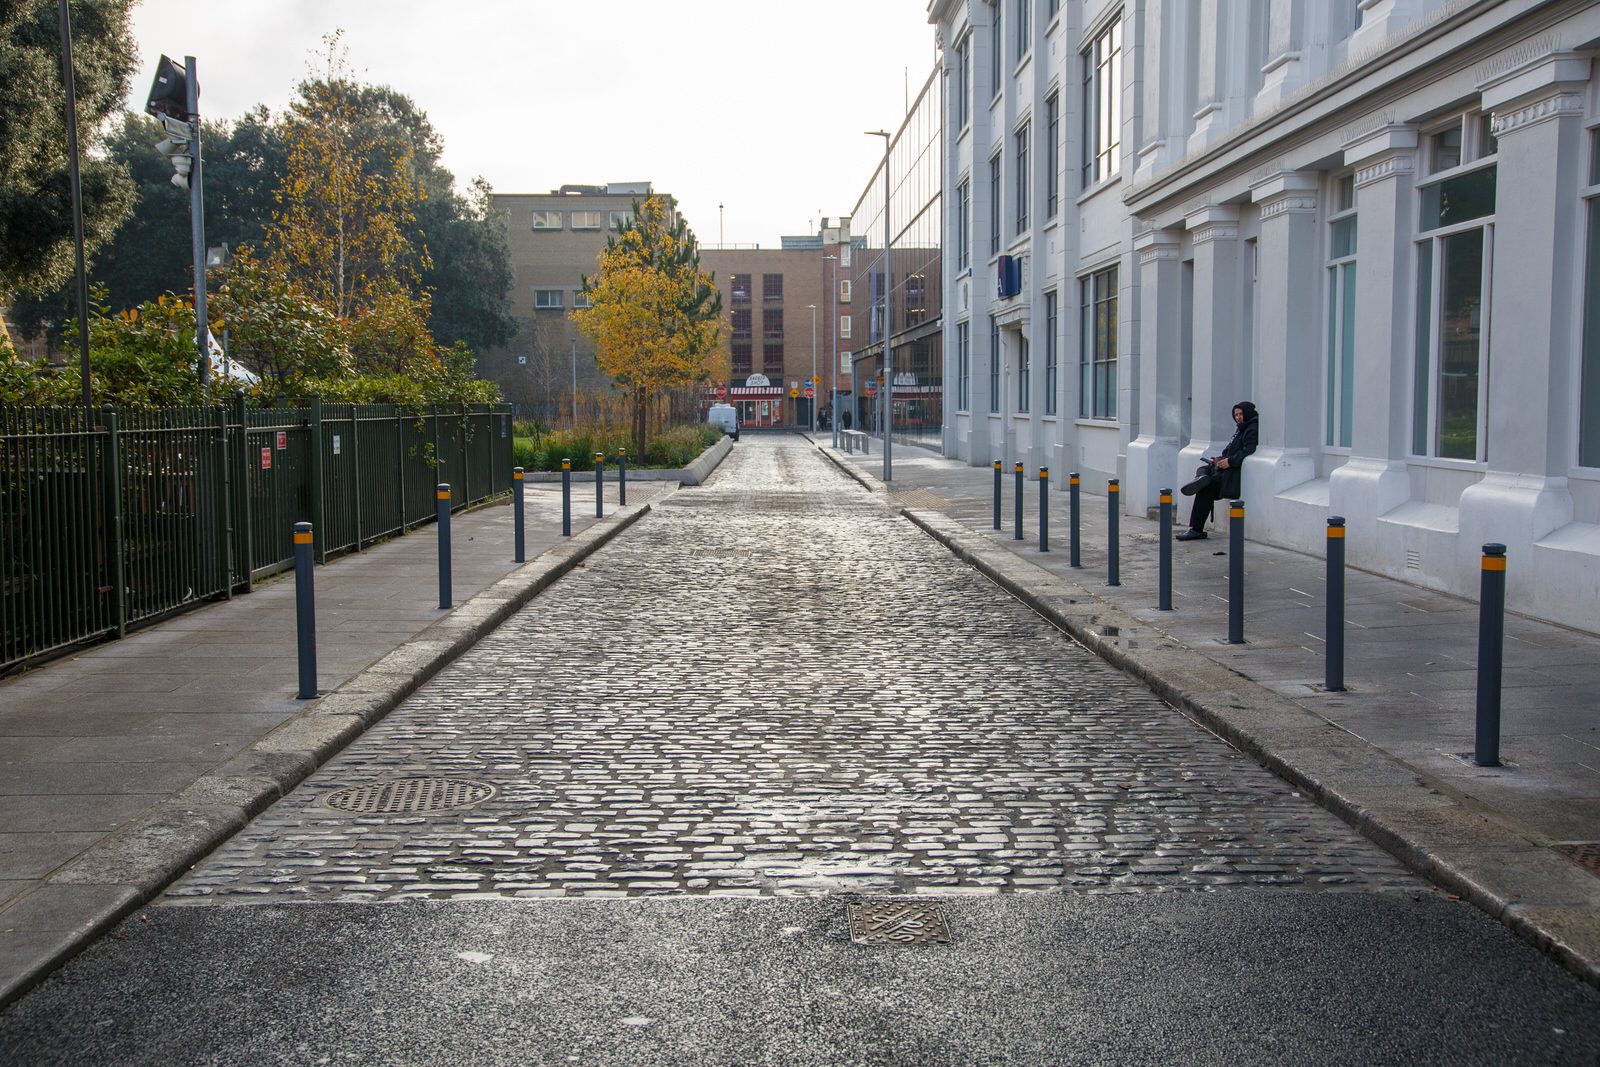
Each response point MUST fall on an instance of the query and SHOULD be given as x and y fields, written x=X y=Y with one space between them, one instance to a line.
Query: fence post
x=1113 y=525
x=108 y=417
x=566 y=498
x=1164 y=596
x=1236 y=573
x=622 y=477
x=1333 y=679
x=318 y=520
x=599 y=485
x=442 y=493
x=245 y=505
x=355 y=467
x=516 y=514
x=225 y=505
x=1016 y=516
x=1072 y=519
x=400 y=459
x=1044 y=509
x=997 y=494
x=1491 y=644
x=305 y=609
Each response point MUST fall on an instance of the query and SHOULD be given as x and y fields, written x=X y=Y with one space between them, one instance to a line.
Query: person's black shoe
x=1191 y=535
x=1195 y=486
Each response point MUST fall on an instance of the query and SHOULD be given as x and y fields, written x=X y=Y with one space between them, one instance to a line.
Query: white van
x=725 y=416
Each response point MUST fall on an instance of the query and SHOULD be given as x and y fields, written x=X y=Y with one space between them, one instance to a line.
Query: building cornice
x=1394 y=165
x=1557 y=106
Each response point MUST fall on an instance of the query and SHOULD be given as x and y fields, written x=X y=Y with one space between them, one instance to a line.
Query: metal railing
x=120 y=517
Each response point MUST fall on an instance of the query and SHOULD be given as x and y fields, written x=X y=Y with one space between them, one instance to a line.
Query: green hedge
x=670 y=449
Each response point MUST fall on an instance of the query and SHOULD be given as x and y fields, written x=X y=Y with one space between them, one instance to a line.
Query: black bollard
x=1491 y=645
x=517 y=506
x=305 y=610
x=622 y=477
x=599 y=485
x=1016 y=520
x=1236 y=573
x=566 y=498
x=1164 y=595
x=997 y=494
x=442 y=492
x=1333 y=677
x=1044 y=509
x=1072 y=518
x=1113 y=524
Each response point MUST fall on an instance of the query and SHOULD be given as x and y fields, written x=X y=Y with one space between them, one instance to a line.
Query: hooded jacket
x=1241 y=445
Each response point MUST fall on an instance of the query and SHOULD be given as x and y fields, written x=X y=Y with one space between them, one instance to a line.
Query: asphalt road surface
x=675 y=770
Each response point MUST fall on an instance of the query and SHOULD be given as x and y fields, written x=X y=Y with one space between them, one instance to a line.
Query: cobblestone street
x=773 y=686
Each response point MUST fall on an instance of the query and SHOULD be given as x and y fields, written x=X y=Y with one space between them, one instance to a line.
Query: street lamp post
x=82 y=278
x=812 y=384
x=833 y=377
x=888 y=302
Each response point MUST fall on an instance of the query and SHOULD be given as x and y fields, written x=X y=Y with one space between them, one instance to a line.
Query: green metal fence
x=119 y=517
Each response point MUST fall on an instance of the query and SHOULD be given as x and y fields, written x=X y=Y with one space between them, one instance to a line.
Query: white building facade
x=1377 y=219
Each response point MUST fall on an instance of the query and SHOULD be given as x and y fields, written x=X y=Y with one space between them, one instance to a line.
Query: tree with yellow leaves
x=654 y=316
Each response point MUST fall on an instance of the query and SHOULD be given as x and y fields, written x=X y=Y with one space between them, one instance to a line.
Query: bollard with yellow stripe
x=1164 y=554
x=1044 y=509
x=997 y=494
x=1491 y=649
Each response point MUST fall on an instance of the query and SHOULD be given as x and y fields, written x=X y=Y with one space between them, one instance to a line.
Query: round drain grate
x=405 y=795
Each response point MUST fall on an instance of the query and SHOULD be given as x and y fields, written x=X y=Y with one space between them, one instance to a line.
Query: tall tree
x=654 y=316
x=347 y=199
x=36 y=242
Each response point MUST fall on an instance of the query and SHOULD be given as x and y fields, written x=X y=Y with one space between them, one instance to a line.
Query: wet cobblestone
x=773 y=686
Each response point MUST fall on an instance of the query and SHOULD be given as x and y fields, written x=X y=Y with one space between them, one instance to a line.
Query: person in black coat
x=1220 y=477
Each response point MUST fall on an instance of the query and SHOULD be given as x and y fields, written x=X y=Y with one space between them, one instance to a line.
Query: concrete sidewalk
x=1391 y=754
x=126 y=763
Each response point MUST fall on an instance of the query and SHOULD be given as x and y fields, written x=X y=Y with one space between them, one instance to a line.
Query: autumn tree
x=654 y=316
x=347 y=199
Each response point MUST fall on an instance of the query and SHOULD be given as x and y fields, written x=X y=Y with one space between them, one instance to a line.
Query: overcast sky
x=756 y=104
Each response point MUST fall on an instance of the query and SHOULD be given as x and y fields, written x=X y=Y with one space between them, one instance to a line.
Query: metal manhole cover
x=1585 y=854
x=897 y=922
x=406 y=795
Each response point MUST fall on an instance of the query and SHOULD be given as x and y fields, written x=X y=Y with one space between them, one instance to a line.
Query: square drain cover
x=897 y=922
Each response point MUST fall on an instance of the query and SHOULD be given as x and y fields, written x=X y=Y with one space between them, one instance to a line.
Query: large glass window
x=740 y=288
x=1589 y=389
x=1340 y=383
x=1102 y=103
x=994 y=205
x=963 y=366
x=772 y=288
x=994 y=363
x=1052 y=155
x=964 y=224
x=1021 y=140
x=963 y=81
x=1024 y=23
x=1024 y=372
x=1453 y=285
x=1050 y=349
x=996 y=55
x=1098 y=352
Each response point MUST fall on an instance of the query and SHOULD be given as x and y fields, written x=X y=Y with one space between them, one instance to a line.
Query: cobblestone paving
x=770 y=686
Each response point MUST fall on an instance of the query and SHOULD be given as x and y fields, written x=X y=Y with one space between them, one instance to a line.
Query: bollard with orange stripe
x=442 y=495
x=517 y=538
x=1333 y=680
x=1236 y=573
x=1044 y=509
x=1016 y=523
x=1491 y=646
x=1113 y=525
x=997 y=494
x=566 y=498
x=1072 y=519
x=1164 y=590
x=305 y=609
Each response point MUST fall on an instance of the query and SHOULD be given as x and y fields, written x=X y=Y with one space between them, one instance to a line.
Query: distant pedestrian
x=846 y=419
x=1220 y=477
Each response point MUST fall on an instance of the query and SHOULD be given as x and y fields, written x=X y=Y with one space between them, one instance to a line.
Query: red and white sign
x=810 y=392
x=872 y=387
x=283 y=440
x=266 y=459
x=722 y=391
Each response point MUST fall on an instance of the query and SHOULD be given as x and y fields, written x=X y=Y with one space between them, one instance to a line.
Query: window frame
x=1102 y=111
x=598 y=217
x=1092 y=360
x=997 y=59
x=1339 y=380
x=542 y=295
x=1020 y=137
x=996 y=212
x=964 y=81
x=1588 y=390
x=1024 y=373
x=1052 y=162
x=994 y=365
x=1052 y=353
x=964 y=224
x=546 y=227
x=1024 y=38
x=963 y=365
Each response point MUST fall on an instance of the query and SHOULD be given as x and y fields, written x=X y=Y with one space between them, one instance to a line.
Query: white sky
x=756 y=104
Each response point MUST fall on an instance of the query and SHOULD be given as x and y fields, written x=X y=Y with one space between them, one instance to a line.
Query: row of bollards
x=304 y=555
x=1491 y=617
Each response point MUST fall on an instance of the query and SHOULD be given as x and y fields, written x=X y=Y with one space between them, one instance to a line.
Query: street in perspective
x=775 y=777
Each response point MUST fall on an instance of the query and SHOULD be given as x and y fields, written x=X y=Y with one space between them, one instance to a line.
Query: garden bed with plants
x=672 y=449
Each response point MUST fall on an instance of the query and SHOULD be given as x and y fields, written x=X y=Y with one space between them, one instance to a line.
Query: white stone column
x=1380 y=20
x=1375 y=479
x=1285 y=68
x=1153 y=455
x=1211 y=116
x=1163 y=86
x=1539 y=109
x=1217 y=377
x=1289 y=354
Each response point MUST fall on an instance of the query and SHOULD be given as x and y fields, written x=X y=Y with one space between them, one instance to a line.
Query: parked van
x=725 y=416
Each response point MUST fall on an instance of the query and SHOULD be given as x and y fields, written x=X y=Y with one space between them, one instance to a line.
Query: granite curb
x=693 y=474
x=1462 y=846
x=88 y=895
